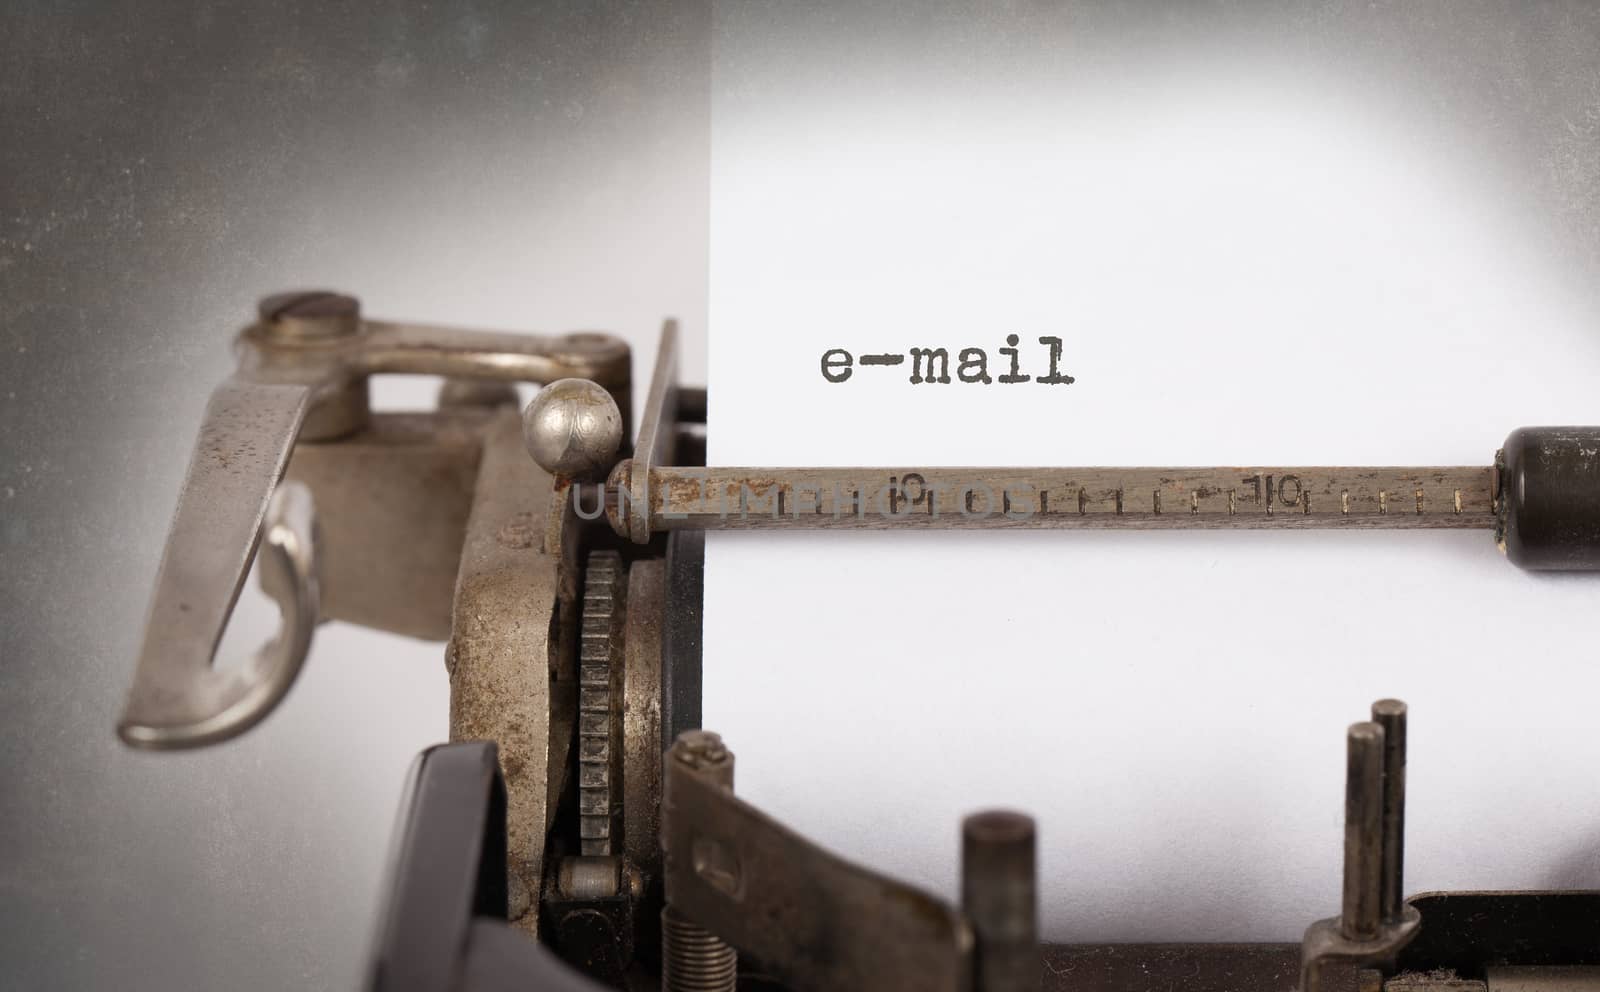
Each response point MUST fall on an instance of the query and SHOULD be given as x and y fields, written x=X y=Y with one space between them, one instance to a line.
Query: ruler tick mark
x=1458 y=502
x=1419 y=502
x=1383 y=502
x=1344 y=502
x=1155 y=501
x=1194 y=502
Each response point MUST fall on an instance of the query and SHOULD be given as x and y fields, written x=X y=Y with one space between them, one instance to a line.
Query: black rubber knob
x=1549 y=498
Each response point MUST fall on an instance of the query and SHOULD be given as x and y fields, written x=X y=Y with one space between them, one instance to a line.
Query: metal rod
x=1363 y=832
x=1133 y=498
x=1390 y=714
x=999 y=895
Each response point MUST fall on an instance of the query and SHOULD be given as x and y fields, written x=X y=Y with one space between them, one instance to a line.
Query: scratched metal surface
x=495 y=163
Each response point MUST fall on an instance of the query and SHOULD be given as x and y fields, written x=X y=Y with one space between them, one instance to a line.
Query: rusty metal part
x=512 y=670
x=1390 y=714
x=1000 y=897
x=392 y=503
x=693 y=959
x=641 y=716
x=1363 y=933
x=600 y=703
x=658 y=435
x=302 y=374
x=1130 y=498
x=1363 y=832
x=813 y=920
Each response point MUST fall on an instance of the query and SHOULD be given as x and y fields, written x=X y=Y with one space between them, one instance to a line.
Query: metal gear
x=600 y=661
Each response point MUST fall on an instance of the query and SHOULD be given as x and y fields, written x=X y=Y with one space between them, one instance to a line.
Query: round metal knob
x=573 y=429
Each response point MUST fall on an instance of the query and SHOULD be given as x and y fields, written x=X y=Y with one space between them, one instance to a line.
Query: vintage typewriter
x=582 y=831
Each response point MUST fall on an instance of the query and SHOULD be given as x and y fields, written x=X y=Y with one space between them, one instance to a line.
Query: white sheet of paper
x=1248 y=264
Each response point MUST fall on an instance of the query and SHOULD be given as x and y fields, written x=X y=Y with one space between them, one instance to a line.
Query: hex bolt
x=692 y=958
x=1390 y=714
x=1000 y=897
x=1363 y=832
x=310 y=321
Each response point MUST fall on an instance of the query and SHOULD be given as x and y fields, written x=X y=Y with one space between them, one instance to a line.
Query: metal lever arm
x=813 y=920
x=178 y=699
x=388 y=347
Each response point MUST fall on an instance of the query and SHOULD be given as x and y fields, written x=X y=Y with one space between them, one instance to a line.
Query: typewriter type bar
x=1541 y=497
x=1137 y=498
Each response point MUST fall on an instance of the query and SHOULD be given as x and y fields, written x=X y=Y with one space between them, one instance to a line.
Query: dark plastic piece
x=681 y=656
x=1467 y=932
x=443 y=926
x=1549 y=495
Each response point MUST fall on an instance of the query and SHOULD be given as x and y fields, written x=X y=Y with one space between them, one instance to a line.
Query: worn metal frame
x=302 y=373
x=392 y=502
x=510 y=658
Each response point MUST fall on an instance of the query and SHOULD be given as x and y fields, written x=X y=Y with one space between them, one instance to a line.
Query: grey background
x=499 y=164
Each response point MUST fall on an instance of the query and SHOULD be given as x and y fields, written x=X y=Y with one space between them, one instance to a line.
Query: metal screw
x=693 y=959
x=314 y=315
x=703 y=749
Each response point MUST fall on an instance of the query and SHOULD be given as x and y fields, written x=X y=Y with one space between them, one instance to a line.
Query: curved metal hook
x=231 y=505
x=288 y=560
x=232 y=700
